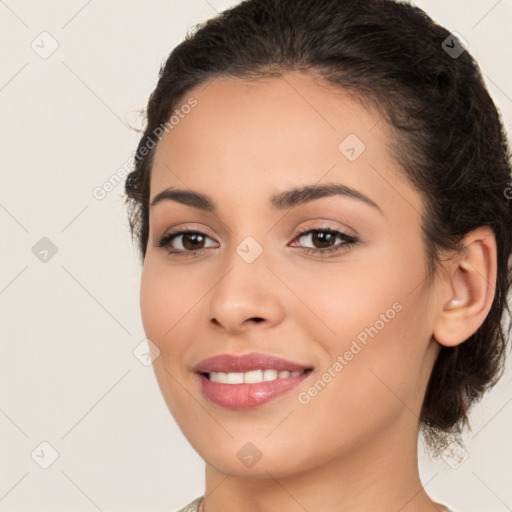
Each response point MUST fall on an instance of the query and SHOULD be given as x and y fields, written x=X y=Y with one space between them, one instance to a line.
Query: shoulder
x=192 y=507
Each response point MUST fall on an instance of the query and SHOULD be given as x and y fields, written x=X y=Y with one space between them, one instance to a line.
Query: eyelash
x=348 y=241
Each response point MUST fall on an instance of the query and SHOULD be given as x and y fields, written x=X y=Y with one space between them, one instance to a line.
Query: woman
x=320 y=203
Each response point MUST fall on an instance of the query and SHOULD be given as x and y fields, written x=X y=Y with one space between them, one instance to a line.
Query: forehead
x=281 y=131
x=247 y=114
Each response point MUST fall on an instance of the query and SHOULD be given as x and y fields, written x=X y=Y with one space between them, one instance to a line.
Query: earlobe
x=467 y=288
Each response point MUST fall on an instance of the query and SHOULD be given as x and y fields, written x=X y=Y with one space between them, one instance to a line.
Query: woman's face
x=348 y=302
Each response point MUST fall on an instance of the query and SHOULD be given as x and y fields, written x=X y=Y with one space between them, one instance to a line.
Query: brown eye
x=192 y=241
x=186 y=242
x=322 y=239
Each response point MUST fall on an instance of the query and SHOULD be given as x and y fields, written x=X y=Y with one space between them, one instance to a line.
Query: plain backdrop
x=83 y=425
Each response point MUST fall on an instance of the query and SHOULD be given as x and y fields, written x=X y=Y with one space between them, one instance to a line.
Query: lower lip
x=248 y=396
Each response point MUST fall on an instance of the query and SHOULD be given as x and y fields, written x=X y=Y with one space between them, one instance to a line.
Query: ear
x=466 y=289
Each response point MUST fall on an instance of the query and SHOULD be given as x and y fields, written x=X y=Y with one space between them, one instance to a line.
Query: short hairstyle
x=446 y=135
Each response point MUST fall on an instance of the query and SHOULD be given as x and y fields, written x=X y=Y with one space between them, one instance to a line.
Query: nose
x=246 y=296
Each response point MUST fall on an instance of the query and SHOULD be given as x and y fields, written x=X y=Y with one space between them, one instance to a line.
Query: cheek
x=166 y=298
x=383 y=359
x=374 y=294
x=370 y=383
x=155 y=306
x=164 y=303
x=339 y=301
x=372 y=323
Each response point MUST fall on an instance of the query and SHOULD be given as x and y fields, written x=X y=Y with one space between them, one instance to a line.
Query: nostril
x=257 y=319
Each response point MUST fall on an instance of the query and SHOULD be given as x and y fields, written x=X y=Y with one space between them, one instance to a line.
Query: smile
x=252 y=377
x=244 y=382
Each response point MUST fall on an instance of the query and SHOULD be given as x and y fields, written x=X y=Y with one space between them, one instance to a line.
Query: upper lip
x=244 y=363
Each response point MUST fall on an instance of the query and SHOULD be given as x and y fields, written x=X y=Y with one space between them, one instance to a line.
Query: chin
x=246 y=456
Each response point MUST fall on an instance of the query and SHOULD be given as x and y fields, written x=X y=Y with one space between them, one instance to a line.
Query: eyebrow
x=281 y=201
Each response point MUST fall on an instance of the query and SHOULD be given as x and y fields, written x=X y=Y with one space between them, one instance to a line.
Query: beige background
x=69 y=325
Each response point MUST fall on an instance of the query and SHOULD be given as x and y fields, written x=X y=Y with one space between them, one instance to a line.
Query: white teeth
x=252 y=377
x=235 y=378
x=218 y=377
x=269 y=375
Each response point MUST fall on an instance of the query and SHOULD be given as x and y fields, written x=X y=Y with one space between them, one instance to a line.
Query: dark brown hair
x=447 y=137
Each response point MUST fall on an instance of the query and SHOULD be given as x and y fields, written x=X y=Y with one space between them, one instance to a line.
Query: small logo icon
x=249 y=454
x=44 y=455
x=44 y=250
x=146 y=352
x=44 y=45
x=351 y=147
x=454 y=45
x=249 y=250
x=454 y=455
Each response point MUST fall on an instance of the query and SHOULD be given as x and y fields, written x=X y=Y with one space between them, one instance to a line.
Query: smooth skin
x=353 y=446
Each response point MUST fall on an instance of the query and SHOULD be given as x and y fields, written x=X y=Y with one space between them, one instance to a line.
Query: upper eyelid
x=180 y=231
x=187 y=229
x=326 y=222
x=305 y=231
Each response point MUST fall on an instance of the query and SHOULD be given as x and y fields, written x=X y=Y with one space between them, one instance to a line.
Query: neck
x=372 y=477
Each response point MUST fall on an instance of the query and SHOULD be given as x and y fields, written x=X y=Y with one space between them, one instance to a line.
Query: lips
x=231 y=363
x=224 y=379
